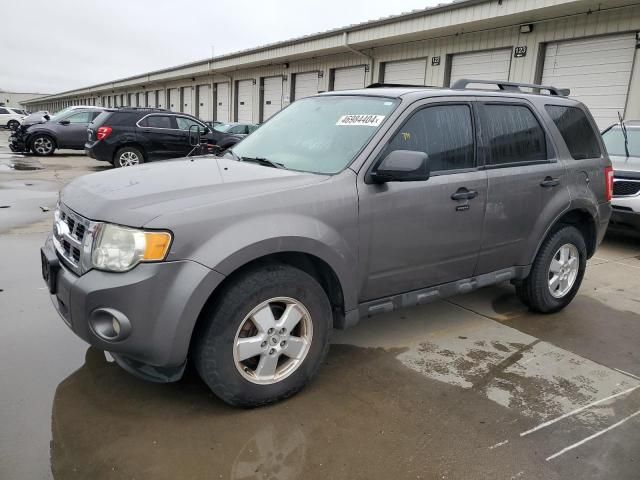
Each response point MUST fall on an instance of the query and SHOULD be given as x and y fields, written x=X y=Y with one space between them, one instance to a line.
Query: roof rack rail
x=512 y=86
x=398 y=85
x=143 y=109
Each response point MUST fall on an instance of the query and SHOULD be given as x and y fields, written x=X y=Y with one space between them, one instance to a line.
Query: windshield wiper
x=263 y=161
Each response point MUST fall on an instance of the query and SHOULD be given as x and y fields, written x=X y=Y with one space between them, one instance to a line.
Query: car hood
x=629 y=166
x=134 y=196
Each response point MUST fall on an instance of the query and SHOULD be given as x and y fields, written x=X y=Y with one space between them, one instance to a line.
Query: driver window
x=186 y=123
x=81 y=117
x=444 y=132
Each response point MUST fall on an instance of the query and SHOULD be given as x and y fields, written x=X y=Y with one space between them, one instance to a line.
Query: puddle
x=26 y=164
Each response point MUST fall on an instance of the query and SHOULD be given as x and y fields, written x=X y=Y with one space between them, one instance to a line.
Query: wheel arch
x=583 y=220
x=46 y=133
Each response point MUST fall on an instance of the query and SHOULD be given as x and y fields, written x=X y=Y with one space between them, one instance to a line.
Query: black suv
x=130 y=136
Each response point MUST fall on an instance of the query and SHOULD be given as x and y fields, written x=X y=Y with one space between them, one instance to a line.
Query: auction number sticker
x=361 y=120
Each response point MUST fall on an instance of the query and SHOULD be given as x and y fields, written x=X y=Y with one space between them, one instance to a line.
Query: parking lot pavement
x=472 y=387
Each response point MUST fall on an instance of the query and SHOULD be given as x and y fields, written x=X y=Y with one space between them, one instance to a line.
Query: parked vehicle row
x=343 y=205
x=122 y=136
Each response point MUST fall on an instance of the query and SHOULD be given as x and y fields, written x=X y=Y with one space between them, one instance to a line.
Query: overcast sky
x=50 y=46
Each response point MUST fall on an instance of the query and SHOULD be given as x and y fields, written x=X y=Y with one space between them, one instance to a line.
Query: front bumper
x=626 y=212
x=161 y=301
x=17 y=144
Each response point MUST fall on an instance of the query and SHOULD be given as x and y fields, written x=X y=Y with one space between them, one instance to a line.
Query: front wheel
x=265 y=337
x=556 y=273
x=128 y=157
x=42 y=145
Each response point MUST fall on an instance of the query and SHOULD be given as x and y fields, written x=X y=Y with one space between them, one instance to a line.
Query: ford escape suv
x=343 y=205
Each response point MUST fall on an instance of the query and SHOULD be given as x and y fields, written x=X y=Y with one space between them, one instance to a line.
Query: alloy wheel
x=42 y=145
x=563 y=270
x=273 y=340
x=128 y=159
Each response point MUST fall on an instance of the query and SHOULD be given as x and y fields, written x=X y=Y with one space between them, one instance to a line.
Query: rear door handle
x=464 y=194
x=550 y=182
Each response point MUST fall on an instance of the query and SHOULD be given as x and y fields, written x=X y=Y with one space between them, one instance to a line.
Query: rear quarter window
x=576 y=130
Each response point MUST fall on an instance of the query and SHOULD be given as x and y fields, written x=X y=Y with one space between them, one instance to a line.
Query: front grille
x=70 y=237
x=625 y=188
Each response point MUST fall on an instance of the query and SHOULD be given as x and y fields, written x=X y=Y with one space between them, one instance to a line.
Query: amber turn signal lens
x=156 y=245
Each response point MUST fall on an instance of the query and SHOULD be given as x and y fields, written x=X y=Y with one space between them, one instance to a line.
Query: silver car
x=623 y=144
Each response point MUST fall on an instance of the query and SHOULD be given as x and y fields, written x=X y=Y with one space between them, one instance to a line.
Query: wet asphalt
x=474 y=387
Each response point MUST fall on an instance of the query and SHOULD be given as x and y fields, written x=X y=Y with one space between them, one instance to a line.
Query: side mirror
x=402 y=166
x=64 y=122
x=194 y=135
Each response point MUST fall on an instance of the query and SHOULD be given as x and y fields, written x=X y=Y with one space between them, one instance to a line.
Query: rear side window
x=157 y=121
x=576 y=130
x=512 y=134
x=444 y=132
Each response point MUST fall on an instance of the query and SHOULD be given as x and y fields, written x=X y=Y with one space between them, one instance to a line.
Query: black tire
x=43 y=145
x=13 y=124
x=534 y=291
x=214 y=343
x=128 y=157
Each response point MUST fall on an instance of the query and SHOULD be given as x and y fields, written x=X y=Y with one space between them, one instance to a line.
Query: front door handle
x=550 y=182
x=464 y=194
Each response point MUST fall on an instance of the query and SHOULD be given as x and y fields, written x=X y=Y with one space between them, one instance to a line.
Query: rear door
x=418 y=235
x=526 y=181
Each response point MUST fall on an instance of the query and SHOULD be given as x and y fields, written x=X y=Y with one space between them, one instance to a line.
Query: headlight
x=118 y=249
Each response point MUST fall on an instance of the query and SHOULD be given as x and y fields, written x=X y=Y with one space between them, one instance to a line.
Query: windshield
x=318 y=134
x=614 y=141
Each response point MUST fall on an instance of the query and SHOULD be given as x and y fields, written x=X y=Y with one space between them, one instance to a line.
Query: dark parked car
x=226 y=135
x=130 y=136
x=43 y=136
x=343 y=205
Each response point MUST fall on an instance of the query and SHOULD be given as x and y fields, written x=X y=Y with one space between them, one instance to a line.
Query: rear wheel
x=42 y=145
x=128 y=157
x=556 y=273
x=266 y=336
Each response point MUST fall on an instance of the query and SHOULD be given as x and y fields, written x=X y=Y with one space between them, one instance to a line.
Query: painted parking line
x=591 y=437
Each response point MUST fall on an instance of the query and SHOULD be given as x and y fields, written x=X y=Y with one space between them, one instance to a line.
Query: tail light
x=103 y=132
x=608 y=179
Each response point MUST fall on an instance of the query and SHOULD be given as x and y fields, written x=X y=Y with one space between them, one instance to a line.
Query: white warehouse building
x=589 y=46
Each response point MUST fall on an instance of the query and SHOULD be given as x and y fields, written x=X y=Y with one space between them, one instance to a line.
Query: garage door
x=489 y=65
x=597 y=70
x=348 y=78
x=244 y=112
x=271 y=97
x=305 y=85
x=222 y=102
x=204 y=103
x=161 y=98
x=151 y=99
x=410 y=72
x=173 y=102
x=187 y=100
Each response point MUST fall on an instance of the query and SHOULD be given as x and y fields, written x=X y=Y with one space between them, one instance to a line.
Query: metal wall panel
x=597 y=70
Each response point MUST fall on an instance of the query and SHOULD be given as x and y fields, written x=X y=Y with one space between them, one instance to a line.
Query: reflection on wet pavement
x=366 y=416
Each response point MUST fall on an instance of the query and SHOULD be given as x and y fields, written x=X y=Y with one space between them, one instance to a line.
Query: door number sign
x=519 y=52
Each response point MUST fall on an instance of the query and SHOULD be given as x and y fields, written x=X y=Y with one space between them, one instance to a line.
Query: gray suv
x=343 y=205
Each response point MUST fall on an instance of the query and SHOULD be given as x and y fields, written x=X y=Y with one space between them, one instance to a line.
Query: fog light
x=109 y=324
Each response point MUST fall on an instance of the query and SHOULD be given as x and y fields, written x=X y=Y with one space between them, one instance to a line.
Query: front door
x=74 y=133
x=425 y=233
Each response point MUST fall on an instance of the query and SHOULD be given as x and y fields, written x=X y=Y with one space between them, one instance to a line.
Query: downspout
x=345 y=44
